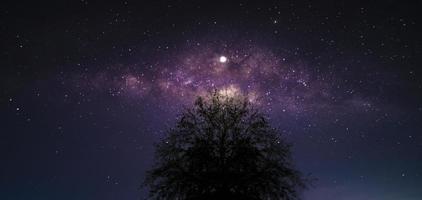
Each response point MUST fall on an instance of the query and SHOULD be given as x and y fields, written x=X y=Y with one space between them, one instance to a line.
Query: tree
x=223 y=148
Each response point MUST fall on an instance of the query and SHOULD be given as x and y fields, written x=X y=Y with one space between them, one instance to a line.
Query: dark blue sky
x=87 y=88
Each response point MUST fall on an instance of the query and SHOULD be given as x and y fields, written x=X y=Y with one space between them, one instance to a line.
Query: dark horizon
x=87 y=88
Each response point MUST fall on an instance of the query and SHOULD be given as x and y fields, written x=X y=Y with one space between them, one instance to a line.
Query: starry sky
x=87 y=88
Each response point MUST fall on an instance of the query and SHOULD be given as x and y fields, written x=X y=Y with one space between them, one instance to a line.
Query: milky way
x=270 y=80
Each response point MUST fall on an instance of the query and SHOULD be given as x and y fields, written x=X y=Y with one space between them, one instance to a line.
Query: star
x=223 y=59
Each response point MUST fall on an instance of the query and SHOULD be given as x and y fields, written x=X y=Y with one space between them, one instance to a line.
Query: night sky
x=87 y=88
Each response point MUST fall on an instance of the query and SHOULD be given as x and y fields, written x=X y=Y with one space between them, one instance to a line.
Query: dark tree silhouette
x=223 y=148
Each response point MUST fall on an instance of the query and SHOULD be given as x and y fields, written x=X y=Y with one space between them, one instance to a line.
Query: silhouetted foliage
x=222 y=148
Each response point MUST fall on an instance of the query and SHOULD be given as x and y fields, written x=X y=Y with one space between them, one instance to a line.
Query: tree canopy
x=223 y=148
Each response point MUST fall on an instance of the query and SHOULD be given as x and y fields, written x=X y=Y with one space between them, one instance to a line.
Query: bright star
x=223 y=59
